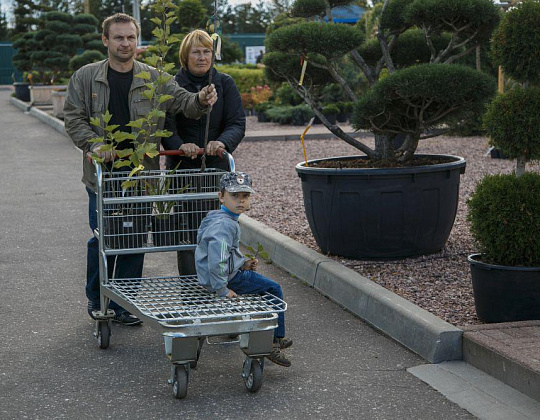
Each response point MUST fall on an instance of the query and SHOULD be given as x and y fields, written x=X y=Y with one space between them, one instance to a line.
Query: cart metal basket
x=159 y=211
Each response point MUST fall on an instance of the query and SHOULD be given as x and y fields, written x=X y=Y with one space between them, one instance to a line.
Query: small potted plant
x=504 y=209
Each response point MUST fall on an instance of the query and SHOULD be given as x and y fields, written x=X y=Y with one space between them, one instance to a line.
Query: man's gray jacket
x=88 y=96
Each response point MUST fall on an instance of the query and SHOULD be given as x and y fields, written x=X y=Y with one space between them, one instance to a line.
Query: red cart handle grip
x=179 y=152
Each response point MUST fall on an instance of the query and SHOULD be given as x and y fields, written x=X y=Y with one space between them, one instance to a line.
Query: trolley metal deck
x=131 y=219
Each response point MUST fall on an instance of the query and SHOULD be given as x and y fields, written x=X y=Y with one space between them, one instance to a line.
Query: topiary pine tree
x=411 y=99
x=512 y=119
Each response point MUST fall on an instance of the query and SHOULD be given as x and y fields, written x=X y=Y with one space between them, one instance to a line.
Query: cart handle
x=179 y=152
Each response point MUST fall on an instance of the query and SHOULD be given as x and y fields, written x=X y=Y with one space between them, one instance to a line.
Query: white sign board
x=252 y=53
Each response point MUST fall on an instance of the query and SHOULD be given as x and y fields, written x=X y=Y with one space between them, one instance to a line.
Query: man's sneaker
x=125 y=318
x=278 y=357
x=93 y=306
x=283 y=342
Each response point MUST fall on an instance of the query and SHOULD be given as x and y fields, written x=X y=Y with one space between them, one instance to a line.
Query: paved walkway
x=50 y=366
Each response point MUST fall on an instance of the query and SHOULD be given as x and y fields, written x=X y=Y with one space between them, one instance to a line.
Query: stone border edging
x=415 y=328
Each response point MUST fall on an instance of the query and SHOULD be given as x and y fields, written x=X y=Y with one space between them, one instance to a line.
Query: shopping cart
x=131 y=220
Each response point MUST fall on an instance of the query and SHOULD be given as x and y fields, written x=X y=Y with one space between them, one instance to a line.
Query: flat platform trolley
x=161 y=211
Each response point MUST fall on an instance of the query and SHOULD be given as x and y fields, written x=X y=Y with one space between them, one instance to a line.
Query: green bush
x=516 y=43
x=415 y=99
x=308 y=8
x=330 y=41
x=512 y=122
x=330 y=109
x=505 y=221
x=245 y=78
x=287 y=114
x=410 y=49
x=478 y=17
x=281 y=65
x=87 y=57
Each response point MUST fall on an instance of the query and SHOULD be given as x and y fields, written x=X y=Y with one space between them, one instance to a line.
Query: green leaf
x=163 y=133
x=95 y=121
x=126 y=185
x=136 y=170
x=148 y=94
x=123 y=163
x=143 y=75
x=123 y=153
x=106 y=117
x=152 y=60
x=250 y=249
x=111 y=128
x=156 y=20
x=164 y=98
x=97 y=140
x=137 y=123
x=260 y=247
x=264 y=255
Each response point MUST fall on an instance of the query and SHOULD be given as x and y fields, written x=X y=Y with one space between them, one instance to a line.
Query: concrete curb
x=23 y=106
x=418 y=330
x=415 y=328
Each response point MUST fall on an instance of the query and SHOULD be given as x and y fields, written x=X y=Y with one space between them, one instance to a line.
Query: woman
x=227 y=119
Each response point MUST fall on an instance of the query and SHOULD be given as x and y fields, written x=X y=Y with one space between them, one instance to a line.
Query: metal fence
x=7 y=71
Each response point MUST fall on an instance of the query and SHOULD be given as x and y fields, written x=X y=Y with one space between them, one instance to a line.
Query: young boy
x=221 y=267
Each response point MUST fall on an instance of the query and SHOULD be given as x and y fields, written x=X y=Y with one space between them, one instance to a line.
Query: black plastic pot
x=22 y=91
x=505 y=293
x=125 y=230
x=166 y=229
x=381 y=213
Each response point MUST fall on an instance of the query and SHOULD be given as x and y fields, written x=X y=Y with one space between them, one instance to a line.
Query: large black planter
x=382 y=213
x=503 y=293
x=22 y=91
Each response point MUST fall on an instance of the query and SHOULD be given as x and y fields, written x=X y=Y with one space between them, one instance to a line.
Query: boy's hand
x=250 y=265
x=231 y=294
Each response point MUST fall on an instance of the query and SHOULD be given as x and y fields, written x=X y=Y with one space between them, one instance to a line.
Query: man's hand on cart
x=250 y=265
x=208 y=95
x=107 y=156
x=231 y=294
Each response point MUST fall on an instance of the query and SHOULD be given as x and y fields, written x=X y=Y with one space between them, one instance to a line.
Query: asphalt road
x=52 y=368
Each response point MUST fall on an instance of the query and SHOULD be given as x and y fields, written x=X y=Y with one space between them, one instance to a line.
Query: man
x=110 y=85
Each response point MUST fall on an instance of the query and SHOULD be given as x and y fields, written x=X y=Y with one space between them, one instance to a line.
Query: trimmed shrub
x=308 y=8
x=516 y=43
x=415 y=99
x=87 y=57
x=330 y=41
x=505 y=221
x=245 y=78
x=512 y=123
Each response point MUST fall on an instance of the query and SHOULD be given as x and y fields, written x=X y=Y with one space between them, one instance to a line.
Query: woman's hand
x=208 y=95
x=213 y=146
x=190 y=150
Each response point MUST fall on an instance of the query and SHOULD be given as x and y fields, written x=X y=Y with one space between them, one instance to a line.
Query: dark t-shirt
x=119 y=85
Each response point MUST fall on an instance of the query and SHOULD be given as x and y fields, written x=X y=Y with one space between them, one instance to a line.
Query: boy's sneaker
x=277 y=357
x=283 y=342
x=125 y=318
x=93 y=306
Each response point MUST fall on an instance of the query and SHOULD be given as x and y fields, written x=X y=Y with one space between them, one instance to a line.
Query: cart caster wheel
x=193 y=364
x=180 y=382
x=254 y=379
x=103 y=334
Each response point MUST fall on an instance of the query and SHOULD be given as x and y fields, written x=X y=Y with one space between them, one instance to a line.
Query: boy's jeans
x=127 y=266
x=247 y=282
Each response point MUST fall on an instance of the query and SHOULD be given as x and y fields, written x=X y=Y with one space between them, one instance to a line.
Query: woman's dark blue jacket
x=227 y=122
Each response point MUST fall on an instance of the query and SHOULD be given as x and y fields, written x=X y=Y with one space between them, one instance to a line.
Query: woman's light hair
x=196 y=38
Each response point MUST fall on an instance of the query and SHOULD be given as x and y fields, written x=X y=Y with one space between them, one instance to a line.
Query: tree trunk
x=384 y=147
x=520 y=165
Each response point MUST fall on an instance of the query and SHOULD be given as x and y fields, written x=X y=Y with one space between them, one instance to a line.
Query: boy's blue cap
x=236 y=182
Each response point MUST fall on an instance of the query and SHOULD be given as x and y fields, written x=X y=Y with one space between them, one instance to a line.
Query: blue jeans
x=127 y=266
x=247 y=281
